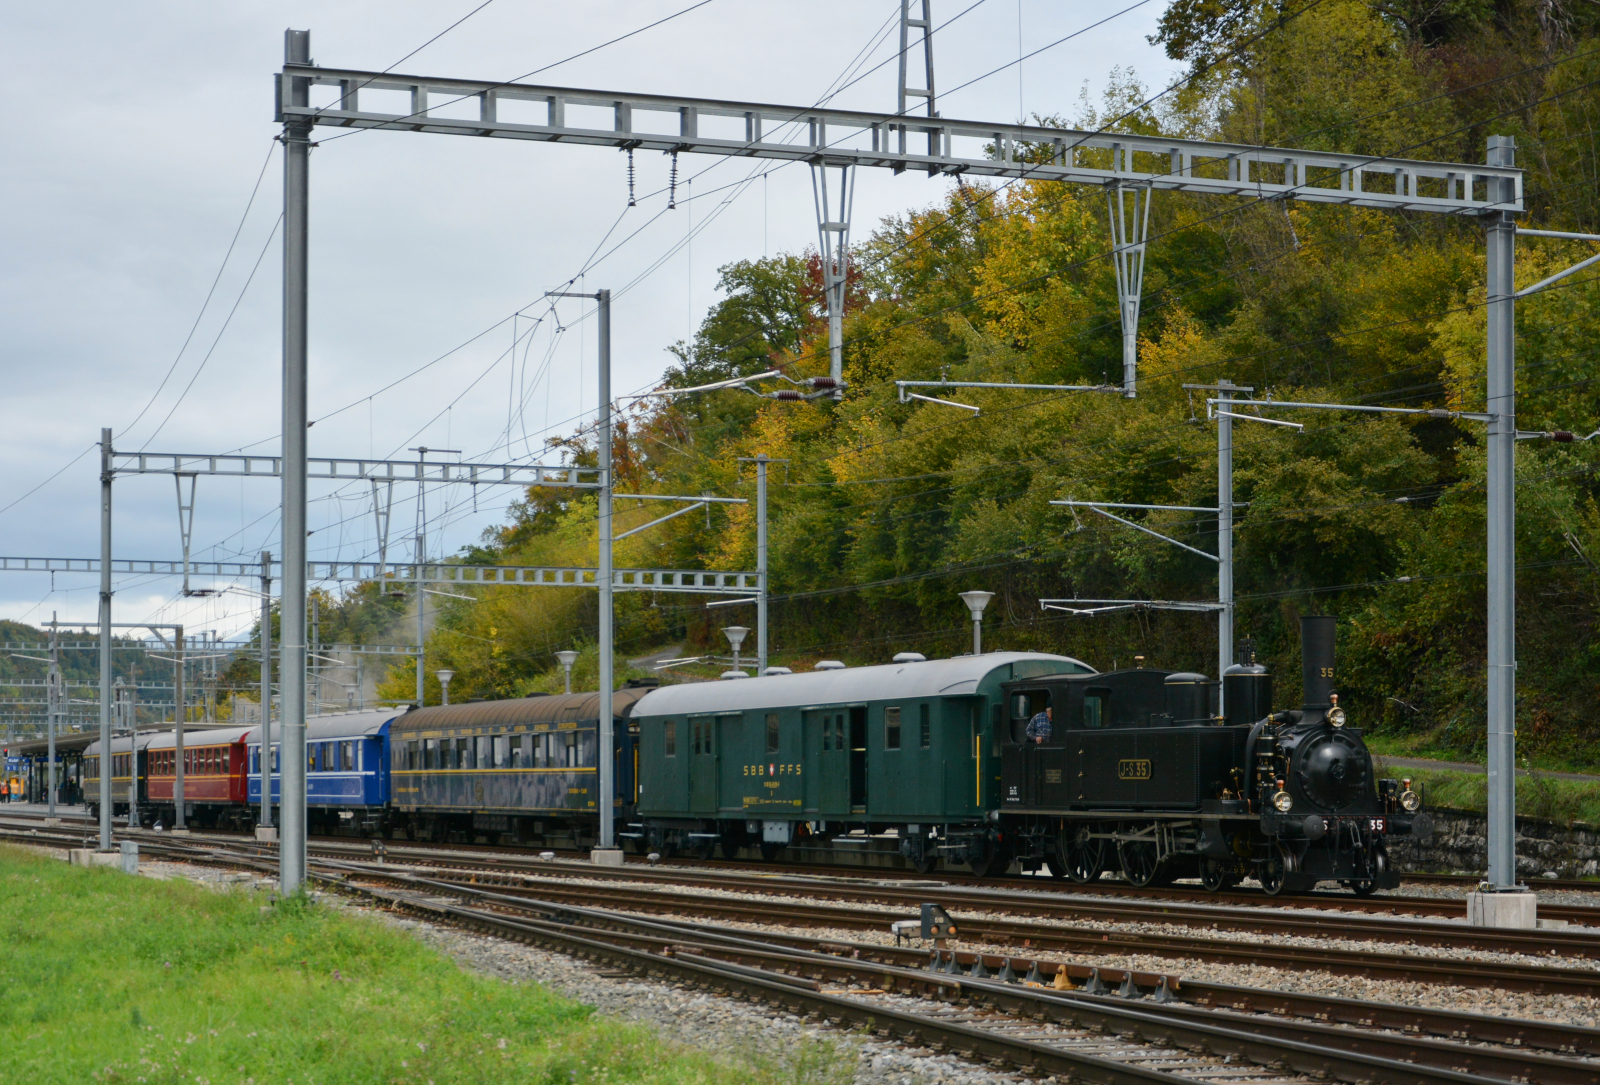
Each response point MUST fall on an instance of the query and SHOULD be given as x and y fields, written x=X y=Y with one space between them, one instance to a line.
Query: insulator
x=1563 y=436
x=631 y=201
x=823 y=382
x=788 y=395
x=672 y=185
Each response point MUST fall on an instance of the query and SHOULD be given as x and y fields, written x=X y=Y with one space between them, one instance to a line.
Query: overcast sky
x=138 y=132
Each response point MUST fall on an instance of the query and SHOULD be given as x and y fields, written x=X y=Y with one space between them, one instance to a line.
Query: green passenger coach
x=841 y=753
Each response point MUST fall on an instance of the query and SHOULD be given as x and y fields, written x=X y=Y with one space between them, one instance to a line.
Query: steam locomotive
x=1139 y=771
x=1147 y=777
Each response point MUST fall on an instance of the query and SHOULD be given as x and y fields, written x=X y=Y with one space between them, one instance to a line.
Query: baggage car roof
x=961 y=676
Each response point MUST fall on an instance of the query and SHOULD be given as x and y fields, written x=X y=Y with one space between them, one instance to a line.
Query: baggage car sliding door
x=703 y=764
x=830 y=786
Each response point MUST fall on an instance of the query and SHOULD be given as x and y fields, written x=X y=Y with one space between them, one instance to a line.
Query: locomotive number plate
x=1133 y=769
x=1376 y=824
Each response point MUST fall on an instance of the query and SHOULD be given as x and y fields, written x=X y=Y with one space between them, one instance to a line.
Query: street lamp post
x=567 y=658
x=976 y=601
x=735 y=635
x=444 y=684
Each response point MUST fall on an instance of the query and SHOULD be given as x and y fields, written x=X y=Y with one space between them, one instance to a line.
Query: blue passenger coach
x=347 y=770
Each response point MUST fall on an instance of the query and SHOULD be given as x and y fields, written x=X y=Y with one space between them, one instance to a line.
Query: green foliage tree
x=887 y=509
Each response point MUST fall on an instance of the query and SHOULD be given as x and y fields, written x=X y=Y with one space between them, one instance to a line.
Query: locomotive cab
x=1132 y=740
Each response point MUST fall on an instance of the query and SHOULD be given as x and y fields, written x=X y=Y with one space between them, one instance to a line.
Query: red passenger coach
x=213 y=775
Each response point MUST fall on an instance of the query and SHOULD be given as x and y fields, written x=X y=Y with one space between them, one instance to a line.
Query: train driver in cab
x=1039 y=727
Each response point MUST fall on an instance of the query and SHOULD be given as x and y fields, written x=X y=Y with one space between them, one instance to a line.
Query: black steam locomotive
x=1140 y=772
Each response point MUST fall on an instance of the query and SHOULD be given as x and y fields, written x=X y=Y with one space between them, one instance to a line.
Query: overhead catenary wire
x=548 y=67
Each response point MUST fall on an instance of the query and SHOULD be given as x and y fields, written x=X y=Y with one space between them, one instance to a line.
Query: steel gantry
x=296 y=571
x=1129 y=167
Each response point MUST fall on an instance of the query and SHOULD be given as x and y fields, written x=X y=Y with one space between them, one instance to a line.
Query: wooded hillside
x=886 y=510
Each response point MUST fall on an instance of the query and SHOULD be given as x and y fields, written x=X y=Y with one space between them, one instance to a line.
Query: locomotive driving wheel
x=1279 y=874
x=1141 y=858
x=1081 y=853
x=1376 y=864
x=1217 y=876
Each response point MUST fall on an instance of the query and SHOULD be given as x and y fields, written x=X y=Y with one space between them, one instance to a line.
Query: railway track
x=1066 y=1023
x=1189 y=1024
x=1388 y=903
x=1538 y=979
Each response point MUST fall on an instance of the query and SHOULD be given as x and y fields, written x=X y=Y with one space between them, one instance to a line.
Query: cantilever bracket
x=1157 y=534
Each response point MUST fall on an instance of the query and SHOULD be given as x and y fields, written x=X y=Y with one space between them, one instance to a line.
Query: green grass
x=1537 y=796
x=111 y=979
x=1434 y=745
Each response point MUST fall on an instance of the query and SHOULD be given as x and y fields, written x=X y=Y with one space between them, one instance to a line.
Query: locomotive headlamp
x=1410 y=801
x=1336 y=714
x=1283 y=802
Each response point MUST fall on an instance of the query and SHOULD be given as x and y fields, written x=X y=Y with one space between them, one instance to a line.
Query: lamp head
x=976 y=601
x=735 y=634
x=567 y=658
x=445 y=676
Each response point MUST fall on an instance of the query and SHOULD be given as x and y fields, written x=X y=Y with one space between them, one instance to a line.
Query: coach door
x=702 y=764
x=858 y=759
x=826 y=734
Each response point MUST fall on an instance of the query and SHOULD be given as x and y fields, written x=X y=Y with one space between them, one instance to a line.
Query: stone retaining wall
x=1543 y=847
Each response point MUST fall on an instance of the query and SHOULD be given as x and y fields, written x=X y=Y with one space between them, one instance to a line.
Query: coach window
x=891 y=728
x=502 y=751
x=924 y=712
x=1025 y=704
x=572 y=749
x=519 y=751
x=773 y=735
x=430 y=753
x=669 y=738
x=1096 y=708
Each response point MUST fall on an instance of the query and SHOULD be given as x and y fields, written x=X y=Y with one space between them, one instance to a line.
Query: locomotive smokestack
x=1316 y=662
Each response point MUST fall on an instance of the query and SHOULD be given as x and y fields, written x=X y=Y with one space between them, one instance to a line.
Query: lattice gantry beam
x=839 y=137
x=475 y=474
x=695 y=581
